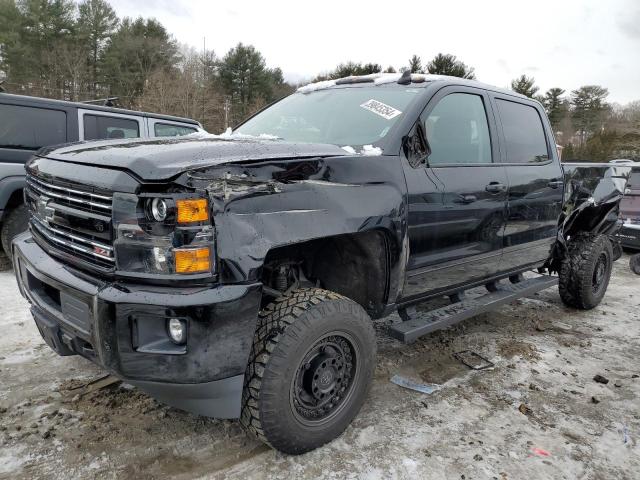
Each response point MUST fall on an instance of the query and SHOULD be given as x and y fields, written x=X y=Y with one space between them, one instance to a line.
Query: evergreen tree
x=32 y=32
x=136 y=50
x=525 y=86
x=446 y=64
x=415 y=64
x=554 y=106
x=589 y=109
x=96 y=23
x=245 y=79
x=11 y=47
x=349 y=69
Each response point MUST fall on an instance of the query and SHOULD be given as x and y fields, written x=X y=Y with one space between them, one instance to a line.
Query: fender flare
x=8 y=186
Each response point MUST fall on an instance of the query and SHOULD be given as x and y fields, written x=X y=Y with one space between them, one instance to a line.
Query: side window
x=458 y=131
x=100 y=127
x=168 y=130
x=523 y=133
x=30 y=128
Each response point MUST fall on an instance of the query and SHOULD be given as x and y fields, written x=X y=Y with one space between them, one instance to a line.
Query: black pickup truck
x=237 y=275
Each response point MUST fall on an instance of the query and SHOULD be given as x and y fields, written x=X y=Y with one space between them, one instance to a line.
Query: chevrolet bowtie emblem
x=44 y=211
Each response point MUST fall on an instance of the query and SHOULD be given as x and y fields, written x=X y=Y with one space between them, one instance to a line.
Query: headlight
x=151 y=241
x=158 y=209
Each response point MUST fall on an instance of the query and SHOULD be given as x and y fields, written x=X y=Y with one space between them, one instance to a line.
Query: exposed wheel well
x=353 y=265
x=15 y=199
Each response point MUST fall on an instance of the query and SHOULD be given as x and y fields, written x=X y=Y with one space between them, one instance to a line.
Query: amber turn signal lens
x=190 y=211
x=193 y=260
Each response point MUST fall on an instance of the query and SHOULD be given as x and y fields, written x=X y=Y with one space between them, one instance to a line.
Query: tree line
x=584 y=122
x=84 y=51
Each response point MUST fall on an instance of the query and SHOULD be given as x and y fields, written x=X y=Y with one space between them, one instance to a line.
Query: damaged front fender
x=259 y=206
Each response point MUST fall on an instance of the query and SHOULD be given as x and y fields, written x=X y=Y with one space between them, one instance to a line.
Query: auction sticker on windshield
x=382 y=109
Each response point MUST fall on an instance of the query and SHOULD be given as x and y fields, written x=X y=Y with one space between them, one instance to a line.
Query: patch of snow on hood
x=371 y=151
x=367 y=150
x=349 y=149
x=228 y=134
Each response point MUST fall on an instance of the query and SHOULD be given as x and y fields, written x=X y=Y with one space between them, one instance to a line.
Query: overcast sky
x=563 y=43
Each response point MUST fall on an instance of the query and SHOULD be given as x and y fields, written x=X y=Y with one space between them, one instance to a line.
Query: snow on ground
x=545 y=356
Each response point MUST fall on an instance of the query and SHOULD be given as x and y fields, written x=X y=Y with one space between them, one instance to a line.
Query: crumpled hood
x=162 y=159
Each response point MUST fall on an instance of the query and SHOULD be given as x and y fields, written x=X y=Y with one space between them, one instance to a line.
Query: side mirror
x=416 y=146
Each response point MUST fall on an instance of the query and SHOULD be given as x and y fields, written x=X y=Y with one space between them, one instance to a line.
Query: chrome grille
x=71 y=221
x=74 y=197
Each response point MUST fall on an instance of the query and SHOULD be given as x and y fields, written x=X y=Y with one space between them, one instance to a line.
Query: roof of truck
x=413 y=79
x=39 y=101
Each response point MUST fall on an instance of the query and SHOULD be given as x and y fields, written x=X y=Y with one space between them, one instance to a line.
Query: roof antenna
x=405 y=79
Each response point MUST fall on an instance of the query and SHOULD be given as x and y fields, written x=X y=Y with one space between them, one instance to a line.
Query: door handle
x=555 y=183
x=495 y=187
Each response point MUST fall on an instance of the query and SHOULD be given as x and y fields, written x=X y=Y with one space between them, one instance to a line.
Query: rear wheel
x=586 y=270
x=15 y=222
x=310 y=369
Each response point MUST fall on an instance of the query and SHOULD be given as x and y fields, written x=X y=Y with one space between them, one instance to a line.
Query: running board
x=417 y=324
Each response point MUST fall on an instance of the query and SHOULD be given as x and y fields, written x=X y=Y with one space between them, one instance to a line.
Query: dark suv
x=237 y=276
x=29 y=123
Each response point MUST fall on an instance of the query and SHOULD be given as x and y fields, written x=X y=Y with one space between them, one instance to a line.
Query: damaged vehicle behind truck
x=237 y=276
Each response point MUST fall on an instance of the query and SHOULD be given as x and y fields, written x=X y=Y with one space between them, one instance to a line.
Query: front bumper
x=629 y=235
x=121 y=326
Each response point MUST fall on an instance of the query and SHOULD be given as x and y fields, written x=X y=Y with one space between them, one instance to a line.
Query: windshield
x=343 y=116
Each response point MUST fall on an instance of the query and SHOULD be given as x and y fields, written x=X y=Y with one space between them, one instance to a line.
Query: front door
x=457 y=204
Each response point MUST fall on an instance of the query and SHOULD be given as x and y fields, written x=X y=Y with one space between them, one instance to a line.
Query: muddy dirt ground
x=537 y=413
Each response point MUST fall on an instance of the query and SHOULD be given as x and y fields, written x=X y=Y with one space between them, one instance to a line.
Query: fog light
x=177 y=330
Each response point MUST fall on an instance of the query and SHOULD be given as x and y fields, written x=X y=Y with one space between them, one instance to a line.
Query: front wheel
x=586 y=270
x=309 y=371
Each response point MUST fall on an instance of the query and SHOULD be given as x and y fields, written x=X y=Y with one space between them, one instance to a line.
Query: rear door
x=535 y=177
x=457 y=204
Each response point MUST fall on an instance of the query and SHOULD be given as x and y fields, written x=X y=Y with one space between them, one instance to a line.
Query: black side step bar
x=417 y=324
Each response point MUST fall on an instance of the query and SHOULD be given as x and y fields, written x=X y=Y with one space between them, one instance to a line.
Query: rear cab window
x=524 y=137
x=30 y=128
x=171 y=130
x=104 y=127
